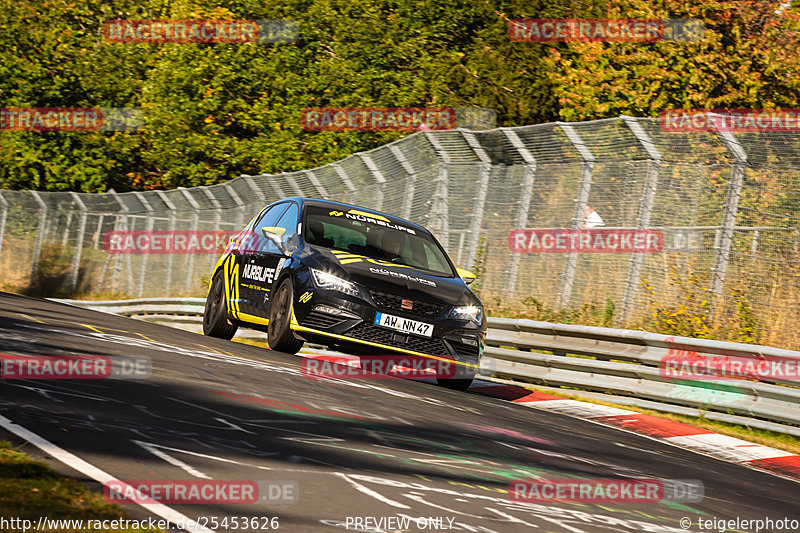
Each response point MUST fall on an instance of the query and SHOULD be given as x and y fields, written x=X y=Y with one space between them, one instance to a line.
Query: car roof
x=338 y=205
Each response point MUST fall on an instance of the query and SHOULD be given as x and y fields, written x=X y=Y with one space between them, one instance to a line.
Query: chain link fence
x=725 y=203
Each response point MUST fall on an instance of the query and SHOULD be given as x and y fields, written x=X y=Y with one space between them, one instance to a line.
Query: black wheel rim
x=212 y=310
x=282 y=309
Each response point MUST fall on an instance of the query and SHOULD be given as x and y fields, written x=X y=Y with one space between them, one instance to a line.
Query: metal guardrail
x=623 y=363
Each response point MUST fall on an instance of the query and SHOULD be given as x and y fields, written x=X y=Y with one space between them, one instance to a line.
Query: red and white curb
x=730 y=449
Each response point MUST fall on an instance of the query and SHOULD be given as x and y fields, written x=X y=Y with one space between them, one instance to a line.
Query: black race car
x=349 y=278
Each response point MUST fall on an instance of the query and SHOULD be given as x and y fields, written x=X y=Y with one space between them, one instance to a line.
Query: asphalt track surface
x=396 y=448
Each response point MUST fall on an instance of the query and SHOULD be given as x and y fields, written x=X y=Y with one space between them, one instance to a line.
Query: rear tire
x=280 y=337
x=215 y=315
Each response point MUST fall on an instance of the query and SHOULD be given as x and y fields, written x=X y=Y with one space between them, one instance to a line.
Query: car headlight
x=324 y=280
x=467 y=312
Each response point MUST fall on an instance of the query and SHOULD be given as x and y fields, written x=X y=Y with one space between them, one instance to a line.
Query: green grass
x=30 y=490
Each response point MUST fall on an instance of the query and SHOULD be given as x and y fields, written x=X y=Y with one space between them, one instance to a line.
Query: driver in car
x=392 y=244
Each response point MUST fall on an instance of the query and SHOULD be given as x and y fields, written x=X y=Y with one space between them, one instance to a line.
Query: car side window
x=289 y=222
x=269 y=217
x=257 y=242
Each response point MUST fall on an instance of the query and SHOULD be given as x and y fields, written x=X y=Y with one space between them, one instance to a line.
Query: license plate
x=404 y=324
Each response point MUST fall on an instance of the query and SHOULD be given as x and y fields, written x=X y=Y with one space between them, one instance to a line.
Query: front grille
x=318 y=320
x=394 y=302
x=371 y=333
x=464 y=350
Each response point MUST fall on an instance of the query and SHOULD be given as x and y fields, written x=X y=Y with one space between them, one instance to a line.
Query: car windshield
x=375 y=236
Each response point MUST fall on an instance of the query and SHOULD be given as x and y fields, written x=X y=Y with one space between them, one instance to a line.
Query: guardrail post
x=524 y=205
x=3 y=215
x=37 y=247
x=380 y=180
x=411 y=180
x=731 y=209
x=72 y=280
x=580 y=203
x=480 y=200
x=351 y=190
x=645 y=211
x=168 y=273
x=145 y=257
x=439 y=214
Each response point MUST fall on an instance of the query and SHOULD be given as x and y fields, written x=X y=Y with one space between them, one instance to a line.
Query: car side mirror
x=274 y=234
x=466 y=275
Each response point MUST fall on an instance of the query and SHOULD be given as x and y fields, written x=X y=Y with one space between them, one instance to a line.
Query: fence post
x=239 y=203
x=580 y=203
x=480 y=200
x=380 y=180
x=316 y=183
x=3 y=215
x=168 y=273
x=523 y=208
x=731 y=209
x=644 y=214
x=212 y=258
x=251 y=181
x=117 y=268
x=145 y=257
x=72 y=280
x=439 y=214
x=346 y=180
x=293 y=184
x=65 y=235
x=37 y=248
x=190 y=257
x=411 y=180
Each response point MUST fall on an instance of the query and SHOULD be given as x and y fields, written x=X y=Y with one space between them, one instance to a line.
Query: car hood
x=398 y=279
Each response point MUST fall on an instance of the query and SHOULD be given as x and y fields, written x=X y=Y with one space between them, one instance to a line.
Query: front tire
x=279 y=336
x=215 y=315
x=455 y=384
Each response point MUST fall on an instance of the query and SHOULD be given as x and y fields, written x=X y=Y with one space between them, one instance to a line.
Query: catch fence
x=725 y=204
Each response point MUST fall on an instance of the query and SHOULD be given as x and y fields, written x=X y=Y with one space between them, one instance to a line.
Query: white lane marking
x=231 y=461
x=369 y=492
x=102 y=477
x=731 y=448
x=171 y=460
x=234 y=426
